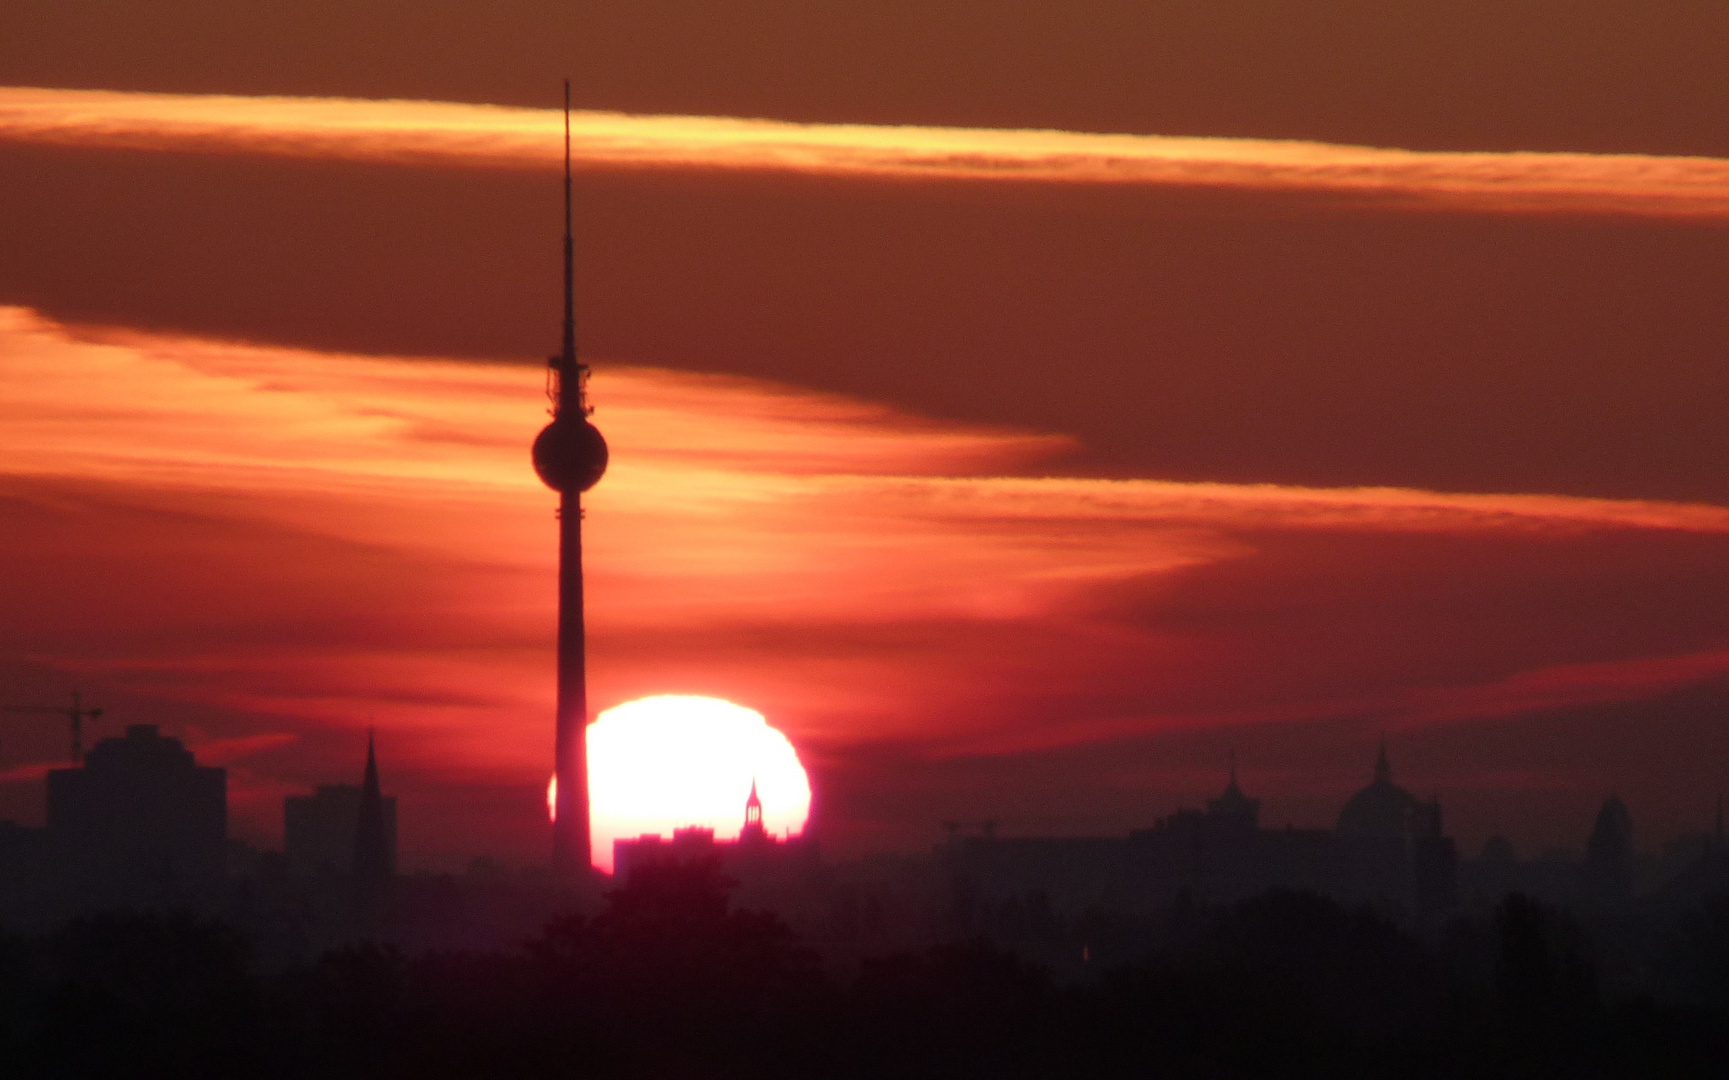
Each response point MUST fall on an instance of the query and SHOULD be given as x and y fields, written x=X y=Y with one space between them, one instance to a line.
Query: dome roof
x=1383 y=809
x=1233 y=807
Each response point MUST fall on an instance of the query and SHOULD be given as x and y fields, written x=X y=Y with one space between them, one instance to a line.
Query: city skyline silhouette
x=1180 y=539
x=1019 y=499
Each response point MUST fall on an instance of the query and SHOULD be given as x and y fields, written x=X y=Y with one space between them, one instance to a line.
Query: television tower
x=570 y=456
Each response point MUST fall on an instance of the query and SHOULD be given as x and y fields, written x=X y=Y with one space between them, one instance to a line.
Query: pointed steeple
x=1233 y=809
x=1383 y=769
x=373 y=854
x=369 y=789
x=753 y=828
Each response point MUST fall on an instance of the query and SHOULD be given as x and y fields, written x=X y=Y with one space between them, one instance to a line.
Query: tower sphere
x=570 y=455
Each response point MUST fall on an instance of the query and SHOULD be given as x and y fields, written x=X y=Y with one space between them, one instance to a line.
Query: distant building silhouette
x=375 y=829
x=1383 y=810
x=753 y=832
x=1392 y=843
x=1234 y=811
x=1498 y=851
x=140 y=823
x=318 y=830
x=770 y=871
x=342 y=830
x=25 y=870
x=1609 y=853
x=689 y=844
x=1389 y=847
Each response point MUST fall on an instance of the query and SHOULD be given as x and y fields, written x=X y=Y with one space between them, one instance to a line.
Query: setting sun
x=663 y=763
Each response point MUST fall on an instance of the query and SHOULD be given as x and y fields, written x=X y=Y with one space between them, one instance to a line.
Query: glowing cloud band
x=491 y=136
x=318 y=542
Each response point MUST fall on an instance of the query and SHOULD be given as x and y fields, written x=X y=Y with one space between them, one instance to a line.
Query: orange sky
x=1022 y=405
x=442 y=133
x=317 y=542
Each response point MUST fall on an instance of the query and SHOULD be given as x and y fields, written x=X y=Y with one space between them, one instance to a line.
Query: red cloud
x=321 y=542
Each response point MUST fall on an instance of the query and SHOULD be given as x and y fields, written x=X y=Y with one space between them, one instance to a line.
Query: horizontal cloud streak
x=314 y=542
x=503 y=137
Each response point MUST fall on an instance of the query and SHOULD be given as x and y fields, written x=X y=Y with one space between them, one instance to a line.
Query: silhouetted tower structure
x=140 y=822
x=1609 y=852
x=323 y=833
x=570 y=456
x=753 y=831
x=1383 y=810
x=374 y=835
x=1233 y=810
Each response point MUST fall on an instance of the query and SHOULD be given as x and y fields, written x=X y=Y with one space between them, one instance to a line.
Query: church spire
x=571 y=374
x=369 y=783
x=373 y=856
x=1383 y=768
x=753 y=827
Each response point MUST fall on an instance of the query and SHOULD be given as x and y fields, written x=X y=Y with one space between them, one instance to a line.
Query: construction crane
x=77 y=714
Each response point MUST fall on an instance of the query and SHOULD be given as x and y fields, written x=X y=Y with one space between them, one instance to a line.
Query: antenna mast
x=570 y=455
x=567 y=379
x=569 y=357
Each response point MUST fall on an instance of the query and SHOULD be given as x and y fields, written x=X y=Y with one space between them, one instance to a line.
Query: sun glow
x=877 y=583
x=664 y=763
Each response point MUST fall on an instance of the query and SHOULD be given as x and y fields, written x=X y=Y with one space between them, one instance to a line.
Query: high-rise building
x=342 y=829
x=570 y=456
x=140 y=823
x=375 y=829
x=318 y=829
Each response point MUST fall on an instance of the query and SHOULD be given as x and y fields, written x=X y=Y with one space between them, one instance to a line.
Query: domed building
x=1383 y=810
x=1392 y=845
x=1233 y=810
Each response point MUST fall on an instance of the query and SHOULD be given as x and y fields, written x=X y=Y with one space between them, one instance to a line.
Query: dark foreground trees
x=668 y=982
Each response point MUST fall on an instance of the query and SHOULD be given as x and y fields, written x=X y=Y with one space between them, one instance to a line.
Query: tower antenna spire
x=567 y=359
x=570 y=455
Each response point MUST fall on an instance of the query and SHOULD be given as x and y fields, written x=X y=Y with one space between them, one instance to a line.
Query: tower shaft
x=570 y=455
x=570 y=839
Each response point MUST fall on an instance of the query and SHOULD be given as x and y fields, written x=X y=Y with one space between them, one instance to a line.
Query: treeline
x=669 y=982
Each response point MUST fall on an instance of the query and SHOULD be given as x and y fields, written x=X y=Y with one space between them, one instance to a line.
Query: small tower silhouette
x=753 y=831
x=374 y=856
x=1609 y=852
x=1233 y=810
